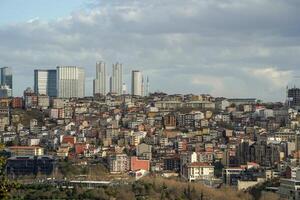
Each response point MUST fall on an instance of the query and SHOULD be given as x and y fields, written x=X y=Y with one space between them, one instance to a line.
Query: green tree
x=5 y=185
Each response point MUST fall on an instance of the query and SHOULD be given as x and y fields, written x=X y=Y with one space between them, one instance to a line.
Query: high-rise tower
x=136 y=83
x=6 y=77
x=100 y=81
x=117 y=79
x=70 y=82
x=45 y=82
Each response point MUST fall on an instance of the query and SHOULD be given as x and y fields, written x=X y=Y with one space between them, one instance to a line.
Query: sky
x=230 y=48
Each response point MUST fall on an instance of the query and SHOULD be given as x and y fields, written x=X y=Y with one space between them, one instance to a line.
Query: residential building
x=118 y=163
x=99 y=84
x=137 y=164
x=26 y=151
x=117 y=79
x=198 y=171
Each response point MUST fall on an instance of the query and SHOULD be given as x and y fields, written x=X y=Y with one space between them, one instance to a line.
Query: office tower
x=116 y=79
x=100 y=81
x=45 y=82
x=6 y=77
x=5 y=91
x=70 y=82
x=136 y=83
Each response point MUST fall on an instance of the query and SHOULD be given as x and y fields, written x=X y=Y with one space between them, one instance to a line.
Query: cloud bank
x=231 y=48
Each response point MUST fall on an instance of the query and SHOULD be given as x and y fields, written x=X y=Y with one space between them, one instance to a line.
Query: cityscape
x=133 y=100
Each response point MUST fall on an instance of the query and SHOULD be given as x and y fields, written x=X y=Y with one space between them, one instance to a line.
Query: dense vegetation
x=5 y=185
x=148 y=188
x=96 y=172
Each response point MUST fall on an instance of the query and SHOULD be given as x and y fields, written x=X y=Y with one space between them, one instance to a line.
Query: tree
x=5 y=185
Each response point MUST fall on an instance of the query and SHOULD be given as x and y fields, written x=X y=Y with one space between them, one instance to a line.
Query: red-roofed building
x=80 y=148
x=69 y=140
x=136 y=164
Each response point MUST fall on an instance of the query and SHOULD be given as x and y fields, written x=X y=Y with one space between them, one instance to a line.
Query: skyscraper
x=116 y=79
x=99 y=86
x=70 y=82
x=6 y=77
x=136 y=83
x=45 y=82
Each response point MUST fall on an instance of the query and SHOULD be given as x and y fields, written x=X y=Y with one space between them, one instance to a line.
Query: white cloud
x=220 y=47
x=276 y=78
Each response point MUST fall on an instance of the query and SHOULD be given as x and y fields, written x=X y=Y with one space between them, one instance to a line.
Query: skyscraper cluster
x=63 y=82
x=116 y=84
x=69 y=81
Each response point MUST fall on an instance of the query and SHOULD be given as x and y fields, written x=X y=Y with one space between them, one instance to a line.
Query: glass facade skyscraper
x=45 y=82
x=6 y=77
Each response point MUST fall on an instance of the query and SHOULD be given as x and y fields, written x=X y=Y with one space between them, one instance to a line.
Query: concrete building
x=232 y=175
x=144 y=151
x=99 y=84
x=28 y=165
x=118 y=163
x=70 y=82
x=26 y=151
x=43 y=101
x=290 y=188
x=5 y=91
x=136 y=83
x=45 y=82
x=6 y=77
x=116 y=79
x=198 y=171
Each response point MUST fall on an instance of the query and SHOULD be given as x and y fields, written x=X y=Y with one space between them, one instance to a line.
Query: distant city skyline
x=224 y=48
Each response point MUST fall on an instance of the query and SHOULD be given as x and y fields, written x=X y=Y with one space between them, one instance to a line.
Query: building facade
x=45 y=82
x=136 y=83
x=294 y=97
x=30 y=165
x=5 y=91
x=99 y=84
x=6 y=77
x=116 y=79
x=118 y=163
x=70 y=82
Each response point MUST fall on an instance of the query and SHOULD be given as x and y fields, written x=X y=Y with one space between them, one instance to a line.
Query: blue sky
x=14 y=11
x=230 y=48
